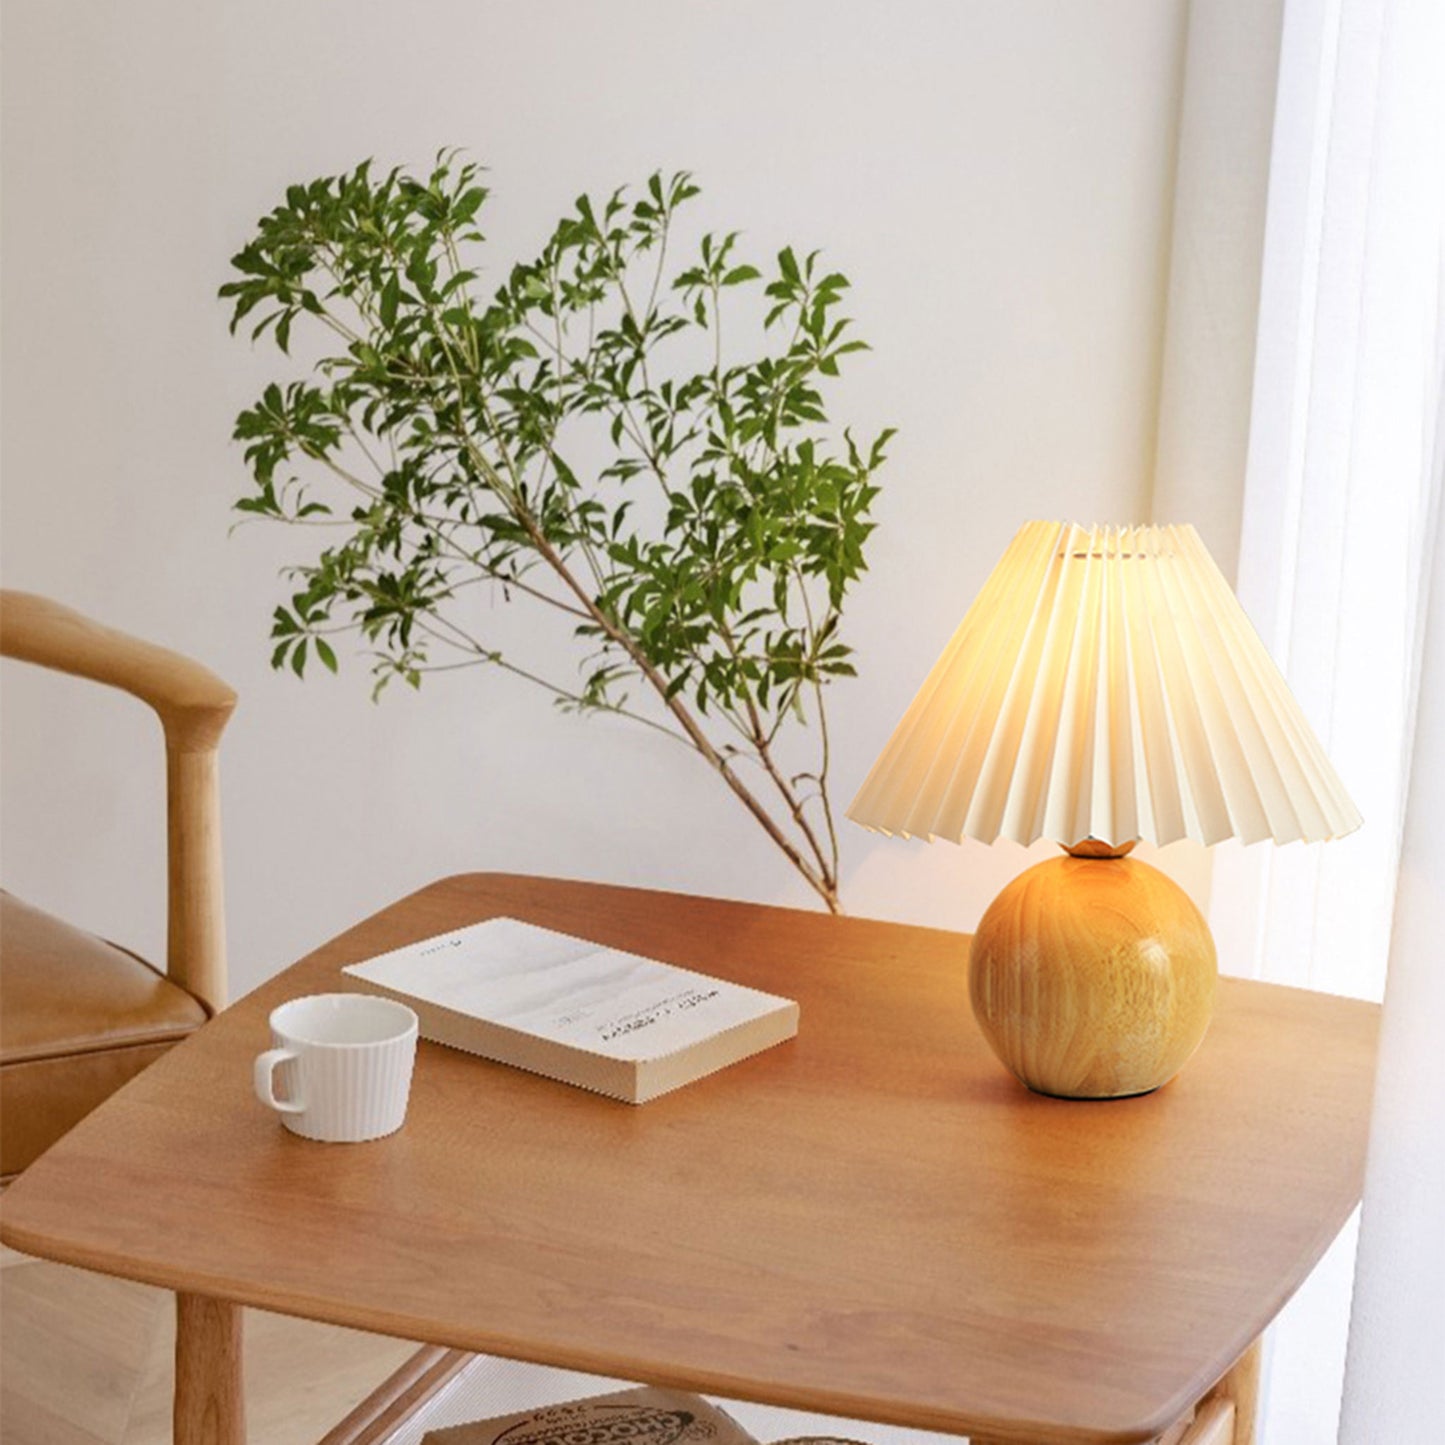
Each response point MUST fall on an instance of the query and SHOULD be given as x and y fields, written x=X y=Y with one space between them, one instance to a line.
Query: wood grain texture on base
x=1093 y=977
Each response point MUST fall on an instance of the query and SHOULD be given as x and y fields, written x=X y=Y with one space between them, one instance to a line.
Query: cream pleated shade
x=1105 y=684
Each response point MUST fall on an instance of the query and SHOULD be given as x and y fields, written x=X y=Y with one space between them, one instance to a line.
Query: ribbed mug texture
x=350 y=1092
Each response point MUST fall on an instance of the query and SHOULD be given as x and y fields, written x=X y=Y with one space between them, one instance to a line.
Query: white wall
x=996 y=179
x=1231 y=70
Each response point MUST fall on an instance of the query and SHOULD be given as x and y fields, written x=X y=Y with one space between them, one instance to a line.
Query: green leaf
x=610 y=429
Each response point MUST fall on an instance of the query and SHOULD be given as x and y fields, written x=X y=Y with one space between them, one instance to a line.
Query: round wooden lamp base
x=1092 y=976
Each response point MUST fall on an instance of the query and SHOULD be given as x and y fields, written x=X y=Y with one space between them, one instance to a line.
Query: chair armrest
x=194 y=706
x=192 y=702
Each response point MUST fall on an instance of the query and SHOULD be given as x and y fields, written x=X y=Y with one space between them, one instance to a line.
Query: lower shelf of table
x=438 y=1387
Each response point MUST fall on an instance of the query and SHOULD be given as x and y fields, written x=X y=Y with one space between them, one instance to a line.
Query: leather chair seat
x=78 y=1018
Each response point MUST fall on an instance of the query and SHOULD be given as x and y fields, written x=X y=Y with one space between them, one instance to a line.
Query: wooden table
x=872 y=1220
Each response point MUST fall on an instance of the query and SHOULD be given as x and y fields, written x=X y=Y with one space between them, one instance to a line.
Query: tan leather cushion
x=78 y=1017
x=44 y=1098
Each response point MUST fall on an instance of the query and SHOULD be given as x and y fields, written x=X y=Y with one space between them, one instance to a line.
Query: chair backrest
x=194 y=706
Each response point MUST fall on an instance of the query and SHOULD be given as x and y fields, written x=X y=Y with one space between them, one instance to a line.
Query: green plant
x=588 y=440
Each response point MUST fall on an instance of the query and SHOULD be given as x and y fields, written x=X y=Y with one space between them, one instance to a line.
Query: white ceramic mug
x=345 y=1062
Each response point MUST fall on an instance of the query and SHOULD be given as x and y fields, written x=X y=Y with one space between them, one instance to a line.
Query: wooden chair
x=80 y=1016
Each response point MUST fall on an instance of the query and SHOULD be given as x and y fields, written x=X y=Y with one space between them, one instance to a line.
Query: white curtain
x=1343 y=468
x=1397 y=1326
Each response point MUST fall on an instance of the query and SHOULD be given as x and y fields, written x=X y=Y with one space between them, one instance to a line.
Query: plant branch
x=453 y=418
x=689 y=725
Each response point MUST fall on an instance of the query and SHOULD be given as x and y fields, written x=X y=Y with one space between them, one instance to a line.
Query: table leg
x=209 y=1402
x=1241 y=1385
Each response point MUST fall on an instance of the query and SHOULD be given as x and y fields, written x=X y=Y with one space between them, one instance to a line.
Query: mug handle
x=265 y=1080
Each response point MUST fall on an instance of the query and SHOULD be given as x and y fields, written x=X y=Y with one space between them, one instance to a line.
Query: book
x=642 y=1416
x=599 y=1018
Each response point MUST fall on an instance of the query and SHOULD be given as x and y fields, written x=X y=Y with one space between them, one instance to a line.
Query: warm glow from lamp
x=1105 y=687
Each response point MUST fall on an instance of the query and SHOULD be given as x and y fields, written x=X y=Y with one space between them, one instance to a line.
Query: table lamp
x=1105 y=686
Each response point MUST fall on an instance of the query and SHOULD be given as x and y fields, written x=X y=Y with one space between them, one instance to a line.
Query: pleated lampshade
x=1105 y=684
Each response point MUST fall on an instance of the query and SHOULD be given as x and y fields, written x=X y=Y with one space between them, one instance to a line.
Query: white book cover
x=573 y=994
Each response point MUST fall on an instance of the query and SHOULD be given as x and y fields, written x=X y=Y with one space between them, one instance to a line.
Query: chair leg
x=209 y=1398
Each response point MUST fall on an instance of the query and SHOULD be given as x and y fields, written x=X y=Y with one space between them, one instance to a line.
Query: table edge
x=620 y=1366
